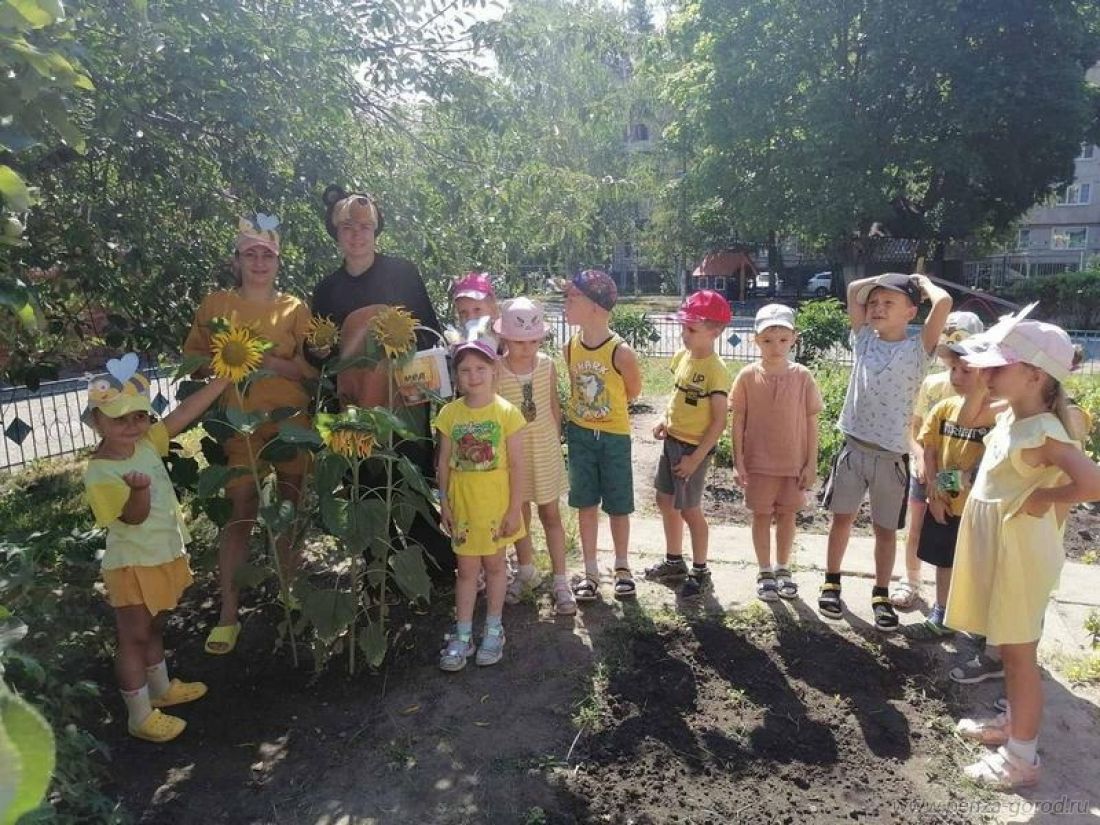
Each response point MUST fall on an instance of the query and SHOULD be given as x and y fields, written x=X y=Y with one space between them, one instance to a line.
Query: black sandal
x=586 y=589
x=886 y=619
x=787 y=587
x=625 y=588
x=829 y=603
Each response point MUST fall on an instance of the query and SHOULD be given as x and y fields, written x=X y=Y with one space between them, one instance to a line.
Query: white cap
x=774 y=315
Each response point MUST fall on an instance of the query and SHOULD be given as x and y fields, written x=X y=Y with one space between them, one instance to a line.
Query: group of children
x=993 y=523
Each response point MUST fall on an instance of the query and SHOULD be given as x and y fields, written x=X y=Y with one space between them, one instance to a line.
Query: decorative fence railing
x=46 y=423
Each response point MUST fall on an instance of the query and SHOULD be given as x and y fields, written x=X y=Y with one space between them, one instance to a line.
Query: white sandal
x=905 y=595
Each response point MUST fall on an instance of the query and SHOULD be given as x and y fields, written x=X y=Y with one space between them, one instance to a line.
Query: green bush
x=1071 y=299
x=822 y=326
x=635 y=328
x=833 y=382
x=1085 y=391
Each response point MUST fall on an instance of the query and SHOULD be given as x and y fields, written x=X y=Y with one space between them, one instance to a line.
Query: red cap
x=705 y=305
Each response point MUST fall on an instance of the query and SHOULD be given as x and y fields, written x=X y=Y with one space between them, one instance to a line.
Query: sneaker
x=667 y=570
x=453 y=657
x=928 y=631
x=886 y=619
x=977 y=670
x=518 y=588
x=767 y=589
x=1003 y=770
x=989 y=732
x=491 y=649
x=697 y=583
x=564 y=603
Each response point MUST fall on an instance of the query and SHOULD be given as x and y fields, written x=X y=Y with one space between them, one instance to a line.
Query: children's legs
x=496 y=584
x=525 y=548
x=917 y=509
x=135 y=632
x=466 y=588
x=700 y=533
x=784 y=538
x=233 y=550
x=943 y=585
x=588 y=524
x=154 y=648
x=839 y=531
x=762 y=538
x=1024 y=688
x=886 y=549
x=550 y=516
x=289 y=488
x=620 y=538
x=673 y=524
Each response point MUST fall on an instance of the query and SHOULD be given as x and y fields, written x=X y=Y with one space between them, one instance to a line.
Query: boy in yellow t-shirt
x=690 y=429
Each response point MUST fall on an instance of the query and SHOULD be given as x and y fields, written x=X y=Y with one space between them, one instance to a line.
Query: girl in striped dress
x=529 y=381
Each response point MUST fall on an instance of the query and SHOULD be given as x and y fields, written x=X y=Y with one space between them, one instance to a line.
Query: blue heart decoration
x=266 y=222
x=123 y=368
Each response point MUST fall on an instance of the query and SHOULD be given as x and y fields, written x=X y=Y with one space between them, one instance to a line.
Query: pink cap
x=521 y=319
x=478 y=345
x=1015 y=340
x=476 y=285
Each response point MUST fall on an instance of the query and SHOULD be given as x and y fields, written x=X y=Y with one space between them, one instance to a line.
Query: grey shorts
x=686 y=492
x=860 y=469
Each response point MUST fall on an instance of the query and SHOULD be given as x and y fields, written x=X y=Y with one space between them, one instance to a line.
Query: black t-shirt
x=391 y=281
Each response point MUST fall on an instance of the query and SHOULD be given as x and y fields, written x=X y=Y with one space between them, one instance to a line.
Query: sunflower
x=236 y=352
x=351 y=443
x=394 y=329
x=323 y=332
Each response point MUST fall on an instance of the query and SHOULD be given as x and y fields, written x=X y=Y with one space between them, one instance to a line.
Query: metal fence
x=46 y=423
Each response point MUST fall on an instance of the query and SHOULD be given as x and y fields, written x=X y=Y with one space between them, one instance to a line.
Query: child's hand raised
x=137 y=481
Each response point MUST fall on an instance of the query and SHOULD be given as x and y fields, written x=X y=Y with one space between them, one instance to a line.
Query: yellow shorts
x=158 y=587
x=236 y=451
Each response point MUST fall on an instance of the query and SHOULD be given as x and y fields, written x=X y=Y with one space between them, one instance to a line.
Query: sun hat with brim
x=773 y=315
x=117 y=393
x=1018 y=340
x=595 y=285
x=258 y=230
x=476 y=285
x=521 y=319
x=705 y=305
x=960 y=326
x=480 y=346
x=894 y=281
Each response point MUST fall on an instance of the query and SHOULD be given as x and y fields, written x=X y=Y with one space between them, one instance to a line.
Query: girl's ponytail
x=1059 y=403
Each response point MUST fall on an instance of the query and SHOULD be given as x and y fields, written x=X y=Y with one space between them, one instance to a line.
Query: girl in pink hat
x=1009 y=553
x=529 y=380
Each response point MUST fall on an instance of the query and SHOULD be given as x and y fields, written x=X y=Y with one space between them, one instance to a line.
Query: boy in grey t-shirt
x=874 y=460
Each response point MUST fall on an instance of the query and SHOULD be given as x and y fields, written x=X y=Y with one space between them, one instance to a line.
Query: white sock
x=1028 y=750
x=156 y=679
x=622 y=562
x=525 y=572
x=766 y=568
x=592 y=568
x=137 y=705
x=563 y=579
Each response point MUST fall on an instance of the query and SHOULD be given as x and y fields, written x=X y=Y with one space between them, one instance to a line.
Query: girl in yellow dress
x=480 y=475
x=1009 y=553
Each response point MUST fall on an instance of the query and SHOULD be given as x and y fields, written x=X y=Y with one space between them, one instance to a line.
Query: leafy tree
x=933 y=118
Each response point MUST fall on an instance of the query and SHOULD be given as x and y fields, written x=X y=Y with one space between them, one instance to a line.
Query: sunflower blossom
x=236 y=352
x=394 y=329
x=322 y=332
x=351 y=443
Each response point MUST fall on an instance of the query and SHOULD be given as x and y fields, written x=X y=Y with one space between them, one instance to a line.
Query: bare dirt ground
x=630 y=713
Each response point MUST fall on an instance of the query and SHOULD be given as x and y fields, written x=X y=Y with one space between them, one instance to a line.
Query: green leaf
x=241 y=421
x=277 y=517
x=29 y=735
x=219 y=510
x=11 y=631
x=212 y=480
x=410 y=573
x=330 y=612
x=372 y=641
x=14 y=190
x=329 y=473
x=251 y=575
x=189 y=364
x=20 y=301
x=297 y=434
x=35 y=12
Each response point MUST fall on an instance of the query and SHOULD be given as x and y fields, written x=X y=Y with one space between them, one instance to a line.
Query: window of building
x=1086 y=151
x=1069 y=237
x=1023 y=239
x=1076 y=194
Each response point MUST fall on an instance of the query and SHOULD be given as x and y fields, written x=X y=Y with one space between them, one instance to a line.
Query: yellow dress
x=1007 y=562
x=478 y=489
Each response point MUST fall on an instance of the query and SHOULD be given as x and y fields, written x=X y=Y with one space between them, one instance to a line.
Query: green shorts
x=600 y=470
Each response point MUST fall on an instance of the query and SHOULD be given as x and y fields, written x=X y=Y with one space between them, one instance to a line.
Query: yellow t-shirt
x=696 y=381
x=933 y=389
x=597 y=391
x=159 y=539
x=957 y=447
x=284 y=321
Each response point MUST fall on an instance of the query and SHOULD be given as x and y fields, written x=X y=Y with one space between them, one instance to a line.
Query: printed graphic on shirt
x=591 y=401
x=695 y=390
x=949 y=429
x=476 y=445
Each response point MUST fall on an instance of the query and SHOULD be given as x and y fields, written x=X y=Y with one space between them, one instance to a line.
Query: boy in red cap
x=604 y=378
x=690 y=429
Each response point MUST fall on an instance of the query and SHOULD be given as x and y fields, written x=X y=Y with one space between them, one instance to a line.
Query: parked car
x=820 y=284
